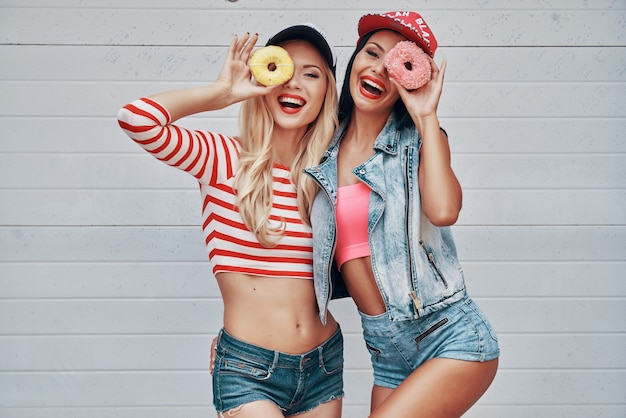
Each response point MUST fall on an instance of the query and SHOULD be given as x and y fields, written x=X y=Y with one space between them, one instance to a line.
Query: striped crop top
x=352 y=220
x=212 y=159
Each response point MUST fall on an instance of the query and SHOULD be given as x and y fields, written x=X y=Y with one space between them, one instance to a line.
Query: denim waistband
x=229 y=343
x=383 y=322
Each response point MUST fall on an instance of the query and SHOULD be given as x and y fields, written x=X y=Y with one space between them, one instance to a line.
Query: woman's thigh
x=440 y=388
x=330 y=409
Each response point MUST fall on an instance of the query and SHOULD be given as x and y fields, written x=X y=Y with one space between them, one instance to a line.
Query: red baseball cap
x=410 y=24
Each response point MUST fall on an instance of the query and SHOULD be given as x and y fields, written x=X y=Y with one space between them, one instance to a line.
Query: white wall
x=107 y=307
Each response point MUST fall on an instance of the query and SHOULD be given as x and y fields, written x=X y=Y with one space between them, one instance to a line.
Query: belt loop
x=275 y=362
x=218 y=339
x=320 y=352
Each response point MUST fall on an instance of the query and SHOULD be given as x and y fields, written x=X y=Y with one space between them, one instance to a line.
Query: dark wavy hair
x=346 y=103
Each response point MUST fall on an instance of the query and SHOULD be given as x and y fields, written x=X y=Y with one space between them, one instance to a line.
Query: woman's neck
x=364 y=128
x=285 y=143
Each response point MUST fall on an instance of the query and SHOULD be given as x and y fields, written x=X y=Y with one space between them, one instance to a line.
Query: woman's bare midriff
x=359 y=278
x=275 y=313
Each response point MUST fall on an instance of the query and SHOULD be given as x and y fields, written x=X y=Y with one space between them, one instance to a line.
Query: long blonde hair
x=253 y=180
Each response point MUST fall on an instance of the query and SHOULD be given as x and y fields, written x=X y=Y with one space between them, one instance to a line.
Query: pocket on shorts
x=242 y=366
x=332 y=361
x=434 y=328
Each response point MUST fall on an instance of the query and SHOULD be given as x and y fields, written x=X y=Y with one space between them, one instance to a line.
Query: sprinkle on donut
x=408 y=65
x=271 y=65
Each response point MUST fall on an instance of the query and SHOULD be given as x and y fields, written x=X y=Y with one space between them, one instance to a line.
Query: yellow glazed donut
x=271 y=65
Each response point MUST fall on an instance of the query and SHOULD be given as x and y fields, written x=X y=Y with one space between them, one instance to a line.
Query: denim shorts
x=296 y=383
x=460 y=331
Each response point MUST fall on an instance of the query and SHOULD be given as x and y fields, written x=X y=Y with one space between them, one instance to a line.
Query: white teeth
x=372 y=84
x=291 y=100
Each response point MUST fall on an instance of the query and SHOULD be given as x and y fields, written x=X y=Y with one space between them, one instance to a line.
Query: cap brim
x=309 y=34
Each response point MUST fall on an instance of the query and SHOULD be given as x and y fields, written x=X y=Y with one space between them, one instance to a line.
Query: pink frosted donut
x=408 y=65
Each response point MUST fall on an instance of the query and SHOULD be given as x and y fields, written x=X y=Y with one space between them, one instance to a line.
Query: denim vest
x=414 y=262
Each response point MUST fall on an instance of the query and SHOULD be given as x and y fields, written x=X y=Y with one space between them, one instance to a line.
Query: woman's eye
x=312 y=75
x=372 y=53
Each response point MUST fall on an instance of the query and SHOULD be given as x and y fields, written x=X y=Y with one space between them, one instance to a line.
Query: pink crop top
x=352 y=212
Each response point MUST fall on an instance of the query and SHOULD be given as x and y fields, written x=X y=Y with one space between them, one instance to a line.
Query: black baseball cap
x=310 y=33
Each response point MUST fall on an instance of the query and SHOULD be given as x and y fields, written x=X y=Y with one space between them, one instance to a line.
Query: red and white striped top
x=212 y=159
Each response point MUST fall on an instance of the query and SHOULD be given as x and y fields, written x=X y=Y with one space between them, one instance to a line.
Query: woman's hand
x=234 y=84
x=213 y=354
x=235 y=78
x=424 y=101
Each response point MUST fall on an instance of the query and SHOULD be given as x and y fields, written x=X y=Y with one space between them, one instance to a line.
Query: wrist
x=429 y=123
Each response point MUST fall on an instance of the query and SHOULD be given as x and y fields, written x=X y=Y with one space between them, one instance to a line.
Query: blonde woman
x=273 y=356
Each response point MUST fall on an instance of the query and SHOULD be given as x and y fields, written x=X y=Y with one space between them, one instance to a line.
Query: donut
x=271 y=65
x=408 y=64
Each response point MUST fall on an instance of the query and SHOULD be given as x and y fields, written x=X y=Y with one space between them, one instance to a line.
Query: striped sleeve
x=148 y=123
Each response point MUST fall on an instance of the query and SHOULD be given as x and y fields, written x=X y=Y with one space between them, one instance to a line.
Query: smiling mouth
x=371 y=87
x=291 y=102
